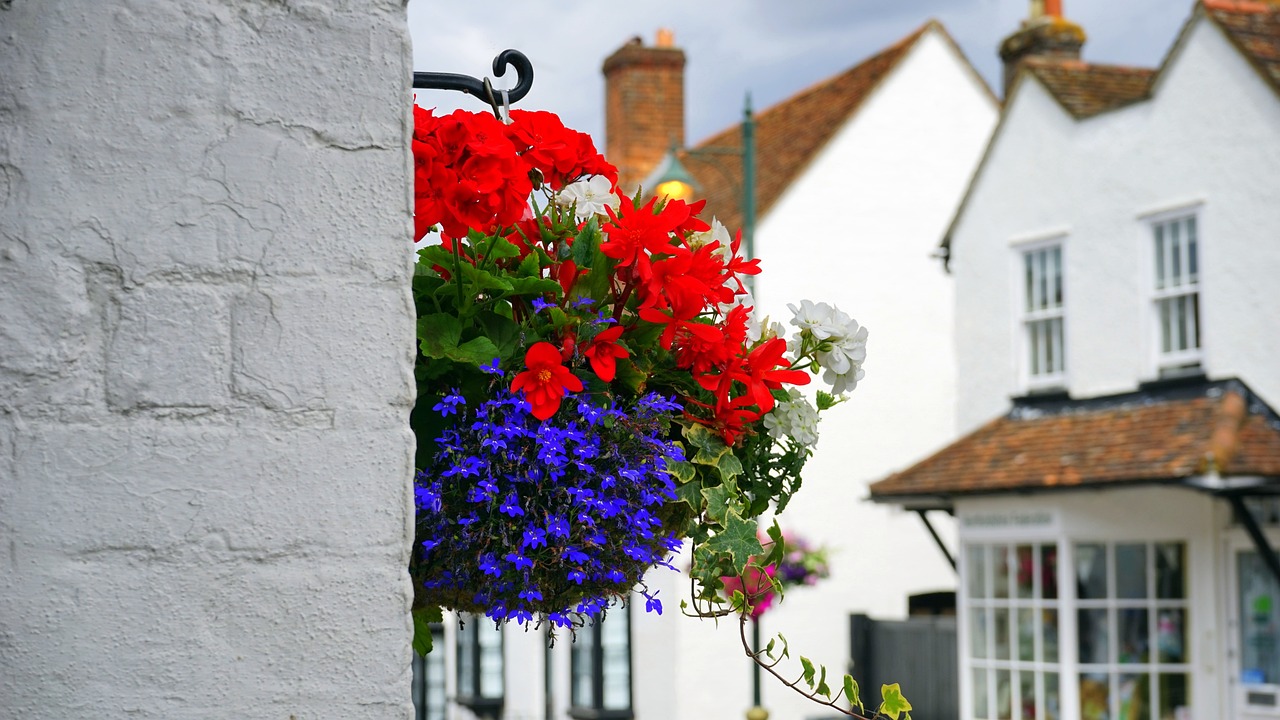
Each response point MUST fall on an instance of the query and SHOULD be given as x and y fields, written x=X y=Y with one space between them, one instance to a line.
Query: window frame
x=597 y=711
x=1026 y=316
x=430 y=697
x=1159 y=263
x=1152 y=668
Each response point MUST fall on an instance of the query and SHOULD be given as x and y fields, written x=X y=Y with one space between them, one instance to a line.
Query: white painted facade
x=858 y=229
x=206 y=365
x=1207 y=143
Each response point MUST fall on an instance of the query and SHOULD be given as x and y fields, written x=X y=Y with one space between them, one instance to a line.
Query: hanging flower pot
x=593 y=386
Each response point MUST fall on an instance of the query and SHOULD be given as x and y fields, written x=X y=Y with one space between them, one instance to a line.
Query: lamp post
x=675 y=182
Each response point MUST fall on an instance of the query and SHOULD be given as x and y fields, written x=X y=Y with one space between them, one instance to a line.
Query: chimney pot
x=644 y=106
x=666 y=38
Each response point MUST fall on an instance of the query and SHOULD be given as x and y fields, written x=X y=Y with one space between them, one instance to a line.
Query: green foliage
x=892 y=703
x=851 y=693
x=422 y=619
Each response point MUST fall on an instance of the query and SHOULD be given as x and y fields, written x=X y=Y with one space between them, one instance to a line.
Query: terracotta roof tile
x=1087 y=89
x=788 y=136
x=1142 y=437
x=1253 y=26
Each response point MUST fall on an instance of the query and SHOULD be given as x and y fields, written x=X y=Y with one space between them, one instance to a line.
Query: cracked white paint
x=205 y=368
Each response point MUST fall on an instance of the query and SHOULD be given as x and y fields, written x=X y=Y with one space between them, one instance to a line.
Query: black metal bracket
x=951 y=560
x=480 y=88
x=1250 y=523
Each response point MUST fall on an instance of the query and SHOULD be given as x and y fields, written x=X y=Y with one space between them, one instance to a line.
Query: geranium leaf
x=476 y=351
x=737 y=539
x=438 y=334
x=533 y=286
x=586 y=243
x=503 y=331
x=500 y=248
x=530 y=266
x=891 y=701
x=851 y=692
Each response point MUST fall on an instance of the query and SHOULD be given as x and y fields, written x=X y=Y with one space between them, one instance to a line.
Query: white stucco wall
x=205 y=359
x=1210 y=135
x=857 y=229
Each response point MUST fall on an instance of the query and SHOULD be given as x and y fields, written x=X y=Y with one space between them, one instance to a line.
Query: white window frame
x=590 y=673
x=1029 y=316
x=1112 y=605
x=1039 y=667
x=1157 y=248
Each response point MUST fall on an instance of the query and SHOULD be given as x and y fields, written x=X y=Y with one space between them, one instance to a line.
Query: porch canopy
x=1214 y=435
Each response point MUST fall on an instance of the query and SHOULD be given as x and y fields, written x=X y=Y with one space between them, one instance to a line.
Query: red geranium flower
x=603 y=353
x=546 y=380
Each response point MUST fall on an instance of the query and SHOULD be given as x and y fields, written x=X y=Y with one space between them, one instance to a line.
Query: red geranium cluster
x=664 y=269
x=473 y=172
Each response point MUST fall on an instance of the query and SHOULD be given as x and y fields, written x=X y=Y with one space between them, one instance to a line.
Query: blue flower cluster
x=519 y=518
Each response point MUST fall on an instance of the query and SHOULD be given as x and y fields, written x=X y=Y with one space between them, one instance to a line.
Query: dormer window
x=1044 y=340
x=1177 y=294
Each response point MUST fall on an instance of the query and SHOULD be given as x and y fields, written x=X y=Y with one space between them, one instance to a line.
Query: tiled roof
x=1086 y=89
x=1253 y=27
x=788 y=136
x=1157 y=435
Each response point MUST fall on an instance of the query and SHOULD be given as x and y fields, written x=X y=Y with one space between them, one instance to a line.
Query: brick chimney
x=1044 y=34
x=643 y=107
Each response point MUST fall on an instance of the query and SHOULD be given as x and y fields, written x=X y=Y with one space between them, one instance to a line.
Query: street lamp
x=675 y=182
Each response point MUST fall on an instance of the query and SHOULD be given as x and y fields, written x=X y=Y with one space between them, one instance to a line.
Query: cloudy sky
x=771 y=48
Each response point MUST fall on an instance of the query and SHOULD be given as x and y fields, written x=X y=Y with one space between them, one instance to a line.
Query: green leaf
x=533 y=286
x=786 y=648
x=851 y=692
x=503 y=331
x=891 y=701
x=737 y=539
x=500 y=248
x=422 y=619
x=587 y=242
x=729 y=464
x=688 y=489
x=477 y=351
x=768 y=648
x=826 y=401
x=822 y=688
x=719 y=502
x=438 y=334
x=530 y=266
x=481 y=280
x=807 y=664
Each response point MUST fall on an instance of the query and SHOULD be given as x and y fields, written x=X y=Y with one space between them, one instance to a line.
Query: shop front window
x=1259 y=622
x=1012 y=624
x=1131 y=630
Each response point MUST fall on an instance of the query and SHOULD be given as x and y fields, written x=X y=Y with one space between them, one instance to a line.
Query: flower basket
x=593 y=385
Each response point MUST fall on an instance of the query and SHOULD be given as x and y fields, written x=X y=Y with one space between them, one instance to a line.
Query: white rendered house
x=1114 y=263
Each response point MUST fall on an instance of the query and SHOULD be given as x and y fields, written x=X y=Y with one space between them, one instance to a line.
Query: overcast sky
x=772 y=48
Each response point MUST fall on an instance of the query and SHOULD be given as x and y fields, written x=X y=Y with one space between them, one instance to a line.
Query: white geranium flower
x=589 y=196
x=718 y=233
x=842 y=356
x=819 y=319
x=795 y=418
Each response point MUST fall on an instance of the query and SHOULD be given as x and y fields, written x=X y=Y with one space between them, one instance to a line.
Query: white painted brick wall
x=205 y=359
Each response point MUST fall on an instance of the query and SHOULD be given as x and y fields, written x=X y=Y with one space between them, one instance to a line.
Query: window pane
x=1033 y=345
x=615 y=653
x=1173 y=695
x=1171 y=639
x=1175 y=254
x=976 y=569
x=1049 y=334
x=1259 y=618
x=1160 y=257
x=1027 y=695
x=1057 y=277
x=1179 y=323
x=1134 y=694
x=1166 y=330
x=1004 y=695
x=1029 y=275
x=1049 y=572
x=1002 y=633
x=1091 y=572
x=1095 y=696
x=1049 y=629
x=1131 y=570
x=1026 y=571
x=1026 y=634
x=1093 y=635
x=1043 y=290
x=1134 y=635
x=981 y=708
x=583 y=667
x=978 y=633
x=1000 y=561
x=1052 y=704
x=1169 y=571
x=490 y=640
x=466 y=658
x=1193 y=320
x=1193 y=262
x=1060 y=357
